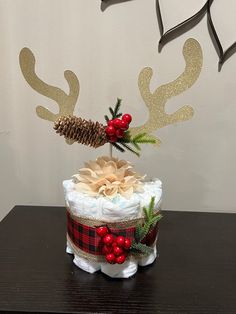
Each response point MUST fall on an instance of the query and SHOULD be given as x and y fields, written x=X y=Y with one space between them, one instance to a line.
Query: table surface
x=195 y=273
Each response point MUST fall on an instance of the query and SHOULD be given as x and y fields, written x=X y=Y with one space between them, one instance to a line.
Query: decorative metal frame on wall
x=186 y=25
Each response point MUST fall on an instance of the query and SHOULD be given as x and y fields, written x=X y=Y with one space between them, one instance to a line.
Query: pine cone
x=82 y=131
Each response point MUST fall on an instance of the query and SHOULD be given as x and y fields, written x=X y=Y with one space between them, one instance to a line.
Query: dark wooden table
x=195 y=273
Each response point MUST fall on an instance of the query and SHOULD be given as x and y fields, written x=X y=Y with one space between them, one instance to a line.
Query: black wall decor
x=223 y=55
x=186 y=25
x=178 y=29
x=107 y=3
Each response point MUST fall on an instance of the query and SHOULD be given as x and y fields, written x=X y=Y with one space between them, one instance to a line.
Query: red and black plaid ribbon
x=86 y=238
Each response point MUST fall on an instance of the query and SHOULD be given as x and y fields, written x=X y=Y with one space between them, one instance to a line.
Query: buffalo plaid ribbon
x=85 y=237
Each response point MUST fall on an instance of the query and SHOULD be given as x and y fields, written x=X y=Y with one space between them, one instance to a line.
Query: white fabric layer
x=115 y=209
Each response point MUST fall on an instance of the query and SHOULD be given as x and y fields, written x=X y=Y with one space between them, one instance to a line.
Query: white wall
x=107 y=49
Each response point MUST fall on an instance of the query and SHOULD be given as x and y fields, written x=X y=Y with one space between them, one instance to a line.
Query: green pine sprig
x=117 y=109
x=118 y=147
x=142 y=230
x=106 y=118
x=150 y=221
x=130 y=148
x=141 y=248
x=129 y=143
x=115 y=112
x=140 y=138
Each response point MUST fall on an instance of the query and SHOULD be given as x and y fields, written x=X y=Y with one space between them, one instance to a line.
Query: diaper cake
x=112 y=233
x=113 y=212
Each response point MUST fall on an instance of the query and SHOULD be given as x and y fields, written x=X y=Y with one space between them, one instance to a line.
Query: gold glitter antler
x=156 y=101
x=66 y=102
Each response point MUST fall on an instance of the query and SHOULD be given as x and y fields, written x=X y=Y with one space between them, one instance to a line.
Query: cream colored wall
x=107 y=49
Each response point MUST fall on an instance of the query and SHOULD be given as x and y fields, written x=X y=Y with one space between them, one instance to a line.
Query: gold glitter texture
x=156 y=101
x=66 y=102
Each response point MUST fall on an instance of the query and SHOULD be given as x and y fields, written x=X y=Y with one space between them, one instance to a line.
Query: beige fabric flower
x=108 y=177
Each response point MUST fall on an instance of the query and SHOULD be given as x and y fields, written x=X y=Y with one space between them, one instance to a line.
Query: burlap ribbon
x=93 y=223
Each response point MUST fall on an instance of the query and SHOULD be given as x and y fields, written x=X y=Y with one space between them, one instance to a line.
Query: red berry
x=106 y=250
x=119 y=133
x=110 y=130
x=108 y=239
x=127 y=244
x=113 y=139
x=120 y=240
x=110 y=258
x=117 y=123
x=120 y=259
x=124 y=125
x=118 y=250
x=110 y=123
x=114 y=244
x=127 y=118
x=102 y=231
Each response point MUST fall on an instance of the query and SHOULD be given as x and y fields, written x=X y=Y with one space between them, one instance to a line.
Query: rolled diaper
x=125 y=270
x=111 y=209
x=89 y=266
x=148 y=259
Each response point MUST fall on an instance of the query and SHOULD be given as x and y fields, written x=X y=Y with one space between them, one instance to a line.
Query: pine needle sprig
x=117 y=108
x=149 y=212
x=142 y=248
x=111 y=112
x=115 y=112
x=138 y=232
x=130 y=148
x=106 y=118
x=142 y=230
x=136 y=146
x=128 y=142
x=142 y=138
x=118 y=147
x=150 y=216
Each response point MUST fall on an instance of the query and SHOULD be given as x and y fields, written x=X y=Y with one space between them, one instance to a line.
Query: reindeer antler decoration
x=86 y=132
x=156 y=101
x=66 y=102
x=96 y=134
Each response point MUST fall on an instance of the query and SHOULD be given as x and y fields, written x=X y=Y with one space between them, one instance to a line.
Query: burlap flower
x=108 y=177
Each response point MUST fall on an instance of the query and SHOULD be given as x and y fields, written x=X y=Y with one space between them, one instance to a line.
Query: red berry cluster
x=114 y=249
x=116 y=128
